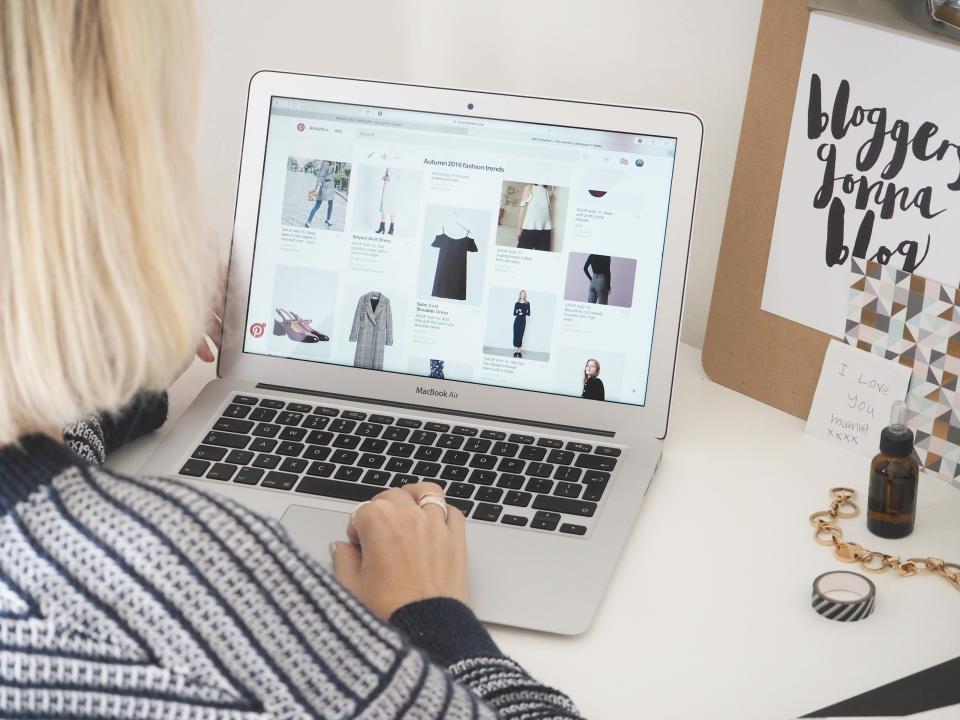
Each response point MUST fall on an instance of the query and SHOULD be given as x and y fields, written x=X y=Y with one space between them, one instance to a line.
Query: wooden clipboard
x=765 y=356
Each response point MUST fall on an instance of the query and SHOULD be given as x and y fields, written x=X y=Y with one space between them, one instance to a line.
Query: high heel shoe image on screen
x=305 y=324
x=293 y=329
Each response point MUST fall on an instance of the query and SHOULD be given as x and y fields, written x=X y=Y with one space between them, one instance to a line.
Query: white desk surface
x=708 y=614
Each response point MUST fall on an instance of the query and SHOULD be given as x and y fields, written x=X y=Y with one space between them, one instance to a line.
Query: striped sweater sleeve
x=95 y=436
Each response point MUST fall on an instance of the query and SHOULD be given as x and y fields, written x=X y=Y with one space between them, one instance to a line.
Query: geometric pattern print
x=914 y=321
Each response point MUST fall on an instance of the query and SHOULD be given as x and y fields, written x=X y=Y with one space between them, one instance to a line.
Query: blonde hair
x=104 y=279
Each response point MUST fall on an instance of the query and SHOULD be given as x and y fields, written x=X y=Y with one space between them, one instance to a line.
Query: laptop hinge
x=434 y=411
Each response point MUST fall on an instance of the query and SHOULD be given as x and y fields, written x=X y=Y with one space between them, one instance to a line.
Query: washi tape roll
x=843 y=595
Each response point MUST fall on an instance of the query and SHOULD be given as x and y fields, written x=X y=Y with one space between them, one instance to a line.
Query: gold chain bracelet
x=828 y=533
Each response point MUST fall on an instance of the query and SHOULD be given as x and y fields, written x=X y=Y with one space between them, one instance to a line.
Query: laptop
x=477 y=289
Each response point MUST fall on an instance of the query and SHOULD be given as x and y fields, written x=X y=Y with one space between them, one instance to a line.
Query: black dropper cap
x=896 y=440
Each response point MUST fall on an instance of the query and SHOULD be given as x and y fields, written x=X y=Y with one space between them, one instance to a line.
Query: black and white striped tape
x=843 y=595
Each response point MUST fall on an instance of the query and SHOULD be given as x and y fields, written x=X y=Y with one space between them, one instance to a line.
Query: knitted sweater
x=150 y=598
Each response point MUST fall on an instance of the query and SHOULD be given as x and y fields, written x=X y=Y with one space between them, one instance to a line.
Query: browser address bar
x=467 y=144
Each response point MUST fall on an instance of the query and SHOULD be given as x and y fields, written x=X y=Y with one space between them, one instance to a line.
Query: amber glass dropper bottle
x=894 y=475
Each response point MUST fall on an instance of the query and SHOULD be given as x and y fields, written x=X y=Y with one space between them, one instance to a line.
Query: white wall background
x=692 y=55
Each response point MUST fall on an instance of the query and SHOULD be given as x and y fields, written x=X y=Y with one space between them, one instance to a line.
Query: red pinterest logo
x=257 y=329
x=301 y=127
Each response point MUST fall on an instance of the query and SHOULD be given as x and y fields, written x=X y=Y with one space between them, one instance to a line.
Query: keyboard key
x=539 y=485
x=397 y=464
x=522 y=439
x=437 y=427
x=560 y=457
x=194 y=468
x=321 y=469
x=409 y=423
x=511 y=465
x=428 y=453
x=463 y=506
x=294 y=465
x=505 y=449
x=484 y=462
x=237 y=411
x=267 y=461
x=367 y=429
x=488 y=494
x=326 y=411
x=573 y=529
x=550 y=443
x=279 y=480
x=403 y=479
x=209 y=452
x=319 y=437
x=299 y=407
x=532 y=452
x=422 y=437
x=545 y=521
x=569 y=474
x=579 y=447
x=315 y=422
x=455 y=457
x=464 y=430
x=563 y=505
x=292 y=449
x=382 y=419
x=594 y=487
x=596 y=462
x=427 y=469
x=221 y=471
x=344 y=457
x=376 y=477
x=567 y=489
x=262 y=445
x=454 y=472
x=249 y=476
x=608 y=451
x=482 y=477
x=245 y=399
x=518 y=520
x=317 y=452
x=540 y=470
x=341 y=490
x=477 y=445
x=399 y=449
x=346 y=442
x=274 y=404
x=447 y=441
x=493 y=435
x=263 y=414
x=342 y=426
x=371 y=460
x=235 y=426
x=225 y=439
x=395 y=433
x=488 y=512
x=373 y=445
x=292 y=433
x=509 y=481
x=518 y=498
x=266 y=430
x=353 y=415
x=351 y=474
x=289 y=418
x=459 y=490
x=240 y=457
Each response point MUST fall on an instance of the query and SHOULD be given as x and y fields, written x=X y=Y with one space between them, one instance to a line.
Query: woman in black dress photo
x=592 y=384
x=521 y=311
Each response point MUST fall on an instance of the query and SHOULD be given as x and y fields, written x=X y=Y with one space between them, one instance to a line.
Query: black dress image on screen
x=450 y=280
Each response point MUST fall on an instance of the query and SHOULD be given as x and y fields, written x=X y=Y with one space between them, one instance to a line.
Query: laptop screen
x=453 y=247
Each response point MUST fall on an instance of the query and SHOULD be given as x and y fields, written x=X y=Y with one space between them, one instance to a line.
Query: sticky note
x=853 y=398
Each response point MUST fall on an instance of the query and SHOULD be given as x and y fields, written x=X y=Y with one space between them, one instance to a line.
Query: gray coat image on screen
x=372 y=330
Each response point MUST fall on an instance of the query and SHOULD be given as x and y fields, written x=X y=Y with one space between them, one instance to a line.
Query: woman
x=521 y=311
x=324 y=191
x=592 y=384
x=123 y=597
x=534 y=225
x=388 y=202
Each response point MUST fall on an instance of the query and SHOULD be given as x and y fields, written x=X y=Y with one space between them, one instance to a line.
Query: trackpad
x=313 y=529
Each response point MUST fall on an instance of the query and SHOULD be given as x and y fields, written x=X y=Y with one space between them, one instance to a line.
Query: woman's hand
x=211 y=335
x=401 y=553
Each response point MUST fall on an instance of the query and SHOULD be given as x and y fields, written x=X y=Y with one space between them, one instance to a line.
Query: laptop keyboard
x=516 y=479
